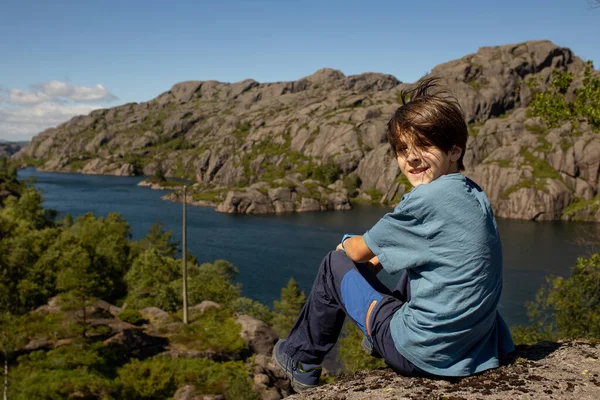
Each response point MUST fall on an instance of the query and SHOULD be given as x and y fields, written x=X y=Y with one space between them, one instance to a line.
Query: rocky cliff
x=328 y=127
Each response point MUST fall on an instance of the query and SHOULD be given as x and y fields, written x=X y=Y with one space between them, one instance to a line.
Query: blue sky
x=62 y=58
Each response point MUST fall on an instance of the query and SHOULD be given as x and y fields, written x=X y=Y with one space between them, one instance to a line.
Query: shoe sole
x=297 y=386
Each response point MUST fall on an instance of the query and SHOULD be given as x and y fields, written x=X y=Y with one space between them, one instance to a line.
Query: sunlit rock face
x=232 y=136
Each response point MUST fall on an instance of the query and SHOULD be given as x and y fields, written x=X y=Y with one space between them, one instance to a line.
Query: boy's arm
x=356 y=248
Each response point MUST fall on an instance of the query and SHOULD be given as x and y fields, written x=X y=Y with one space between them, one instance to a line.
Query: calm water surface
x=268 y=250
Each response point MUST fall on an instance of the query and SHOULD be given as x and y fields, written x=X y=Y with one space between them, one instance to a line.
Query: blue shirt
x=445 y=234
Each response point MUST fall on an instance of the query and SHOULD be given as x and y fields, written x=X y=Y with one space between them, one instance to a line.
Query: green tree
x=26 y=232
x=287 y=309
x=566 y=308
x=149 y=281
x=74 y=371
x=80 y=282
x=212 y=281
x=91 y=257
x=9 y=185
x=11 y=338
x=159 y=239
x=245 y=305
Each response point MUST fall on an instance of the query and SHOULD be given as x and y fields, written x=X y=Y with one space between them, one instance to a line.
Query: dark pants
x=344 y=288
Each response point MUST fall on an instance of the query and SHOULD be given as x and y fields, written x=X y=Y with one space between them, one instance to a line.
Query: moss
x=536 y=129
x=375 y=195
x=544 y=145
x=473 y=128
x=263 y=190
x=503 y=163
x=475 y=85
x=403 y=180
x=528 y=183
x=579 y=204
x=541 y=168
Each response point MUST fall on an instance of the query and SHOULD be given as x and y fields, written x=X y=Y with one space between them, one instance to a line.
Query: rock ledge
x=567 y=370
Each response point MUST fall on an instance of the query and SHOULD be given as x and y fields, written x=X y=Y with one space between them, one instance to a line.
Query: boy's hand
x=374 y=265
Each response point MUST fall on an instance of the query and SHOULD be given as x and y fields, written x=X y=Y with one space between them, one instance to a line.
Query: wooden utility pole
x=184 y=256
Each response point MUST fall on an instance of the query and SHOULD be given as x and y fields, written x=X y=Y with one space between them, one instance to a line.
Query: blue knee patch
x=359 y=299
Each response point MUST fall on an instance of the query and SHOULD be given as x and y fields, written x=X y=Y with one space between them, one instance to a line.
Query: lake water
x=268 y=250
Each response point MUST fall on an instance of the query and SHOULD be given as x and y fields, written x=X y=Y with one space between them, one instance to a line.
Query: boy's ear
x=455 y=153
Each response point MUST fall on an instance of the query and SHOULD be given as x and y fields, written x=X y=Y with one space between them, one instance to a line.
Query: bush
x=131 y=316
x=153 y=379
x=159 y=377
x=352 y=183
x=565 y=308
x=214 y=329
x=212 y=282
x=75 y=369
x=255 y=309
x=553 y=107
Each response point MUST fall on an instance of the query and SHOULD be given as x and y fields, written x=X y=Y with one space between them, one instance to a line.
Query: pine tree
x=286 y=310
x=159 y=239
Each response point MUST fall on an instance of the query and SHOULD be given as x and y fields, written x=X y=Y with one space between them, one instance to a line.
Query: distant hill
x=249 y=145
x=9 y=148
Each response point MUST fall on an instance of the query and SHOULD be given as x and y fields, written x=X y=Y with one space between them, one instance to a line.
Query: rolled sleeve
x=399 y=240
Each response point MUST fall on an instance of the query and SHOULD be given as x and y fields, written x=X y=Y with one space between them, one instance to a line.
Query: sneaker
x=369 y=349
x=302 y=376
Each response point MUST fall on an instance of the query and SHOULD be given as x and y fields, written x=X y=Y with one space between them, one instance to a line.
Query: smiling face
x=424 y=164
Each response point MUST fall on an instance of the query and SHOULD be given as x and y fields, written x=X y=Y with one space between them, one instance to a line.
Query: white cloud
x=76 y=93
x=24 y=113
x=19 y=96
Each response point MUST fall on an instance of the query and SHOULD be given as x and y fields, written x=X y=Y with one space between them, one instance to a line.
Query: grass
x=215 y=196
x=375 y=195
x=579 y=204
x=541 y=168
x=537 y=129
x=403 y=180
x=541 y=172
x=212 y=330
x=473 y=128
x=544 y=145
x=475 y=85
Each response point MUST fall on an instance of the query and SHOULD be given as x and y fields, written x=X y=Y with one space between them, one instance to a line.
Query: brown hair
x=428 y=118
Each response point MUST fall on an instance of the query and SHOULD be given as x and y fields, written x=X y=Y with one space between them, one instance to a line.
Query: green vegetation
x=473 y=128
x=374 y=194
x=553 y=106
x=351 y=352
x=213 y=330
x=540 y=170
x=158 y=377
x=565 y=308
x=286 y=310
x=213 y=195
x=579 y=204
x=79 y=261
x=131 y=316
x=352 y=182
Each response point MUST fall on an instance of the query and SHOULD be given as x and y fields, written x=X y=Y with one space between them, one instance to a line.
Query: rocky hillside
x=266 y=140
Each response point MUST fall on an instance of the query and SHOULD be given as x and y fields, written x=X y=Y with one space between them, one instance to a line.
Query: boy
x=441 y=320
